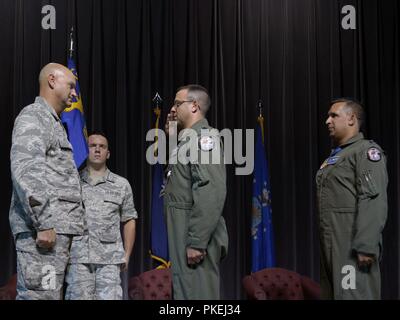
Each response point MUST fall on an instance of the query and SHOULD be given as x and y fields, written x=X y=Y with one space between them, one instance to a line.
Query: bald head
x=54 y=69
x=57 y=86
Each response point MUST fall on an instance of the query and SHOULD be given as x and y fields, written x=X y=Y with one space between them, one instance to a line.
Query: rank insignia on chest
x=374 y=154
x=206 y=143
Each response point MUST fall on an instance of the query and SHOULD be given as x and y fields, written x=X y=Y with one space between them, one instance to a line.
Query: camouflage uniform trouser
x=41 y=271
x=93 y=282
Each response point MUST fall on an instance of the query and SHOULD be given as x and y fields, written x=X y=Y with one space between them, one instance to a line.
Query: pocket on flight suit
x=179 y=218
x=343 y=221
x=367 y=185
x=219 y=241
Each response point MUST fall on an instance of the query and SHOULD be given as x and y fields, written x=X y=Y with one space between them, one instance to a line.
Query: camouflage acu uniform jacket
x=108 y=202
x=46 y=188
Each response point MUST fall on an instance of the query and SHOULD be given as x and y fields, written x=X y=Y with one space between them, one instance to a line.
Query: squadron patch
x=374 y=154
x=206 y=143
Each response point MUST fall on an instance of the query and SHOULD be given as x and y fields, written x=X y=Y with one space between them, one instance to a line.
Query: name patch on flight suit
x=374 y=154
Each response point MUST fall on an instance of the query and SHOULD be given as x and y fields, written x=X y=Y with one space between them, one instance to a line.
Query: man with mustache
x=352 y=207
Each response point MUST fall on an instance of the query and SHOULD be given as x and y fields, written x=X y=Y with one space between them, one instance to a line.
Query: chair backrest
x=279 y=284
x=151 y=285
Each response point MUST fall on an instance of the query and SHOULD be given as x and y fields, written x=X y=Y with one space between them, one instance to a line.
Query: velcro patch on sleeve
x=374 y=154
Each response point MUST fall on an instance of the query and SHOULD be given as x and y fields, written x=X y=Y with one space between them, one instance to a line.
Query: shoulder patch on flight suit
x=374 y=154
x=206 y=143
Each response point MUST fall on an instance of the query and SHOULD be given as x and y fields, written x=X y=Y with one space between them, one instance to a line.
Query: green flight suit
x=194 y=198
x=352 y=207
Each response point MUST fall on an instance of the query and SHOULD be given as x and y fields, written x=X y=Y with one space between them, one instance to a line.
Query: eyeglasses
x=177 y=103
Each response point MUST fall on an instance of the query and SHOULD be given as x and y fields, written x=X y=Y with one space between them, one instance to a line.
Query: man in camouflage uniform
x=352 y=207
x=46 y=206
x=194 y=198
x=98 y=256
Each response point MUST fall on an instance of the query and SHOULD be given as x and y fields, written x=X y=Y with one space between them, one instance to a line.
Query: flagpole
x=72 y=23
x=71 y=43
x=261 y=118
x=159 y=239
x=157 y=100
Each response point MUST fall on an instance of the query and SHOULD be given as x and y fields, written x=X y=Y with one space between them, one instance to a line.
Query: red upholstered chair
x=151 y=285
x=280 y=284
x=9 y=291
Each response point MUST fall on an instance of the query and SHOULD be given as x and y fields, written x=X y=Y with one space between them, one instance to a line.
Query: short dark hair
x=100 y=133
x=354 y=106
x=97 y=133
x=198 y=93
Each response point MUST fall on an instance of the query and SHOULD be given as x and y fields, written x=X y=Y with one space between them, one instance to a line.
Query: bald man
x=46 y=207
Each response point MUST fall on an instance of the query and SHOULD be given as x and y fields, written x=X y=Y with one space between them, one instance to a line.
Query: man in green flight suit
x=352 y=207
x=194 y=197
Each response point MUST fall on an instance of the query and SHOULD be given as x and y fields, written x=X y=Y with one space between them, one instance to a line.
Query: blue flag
x=74 y=120
x=263 y=249
x=159 y=239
